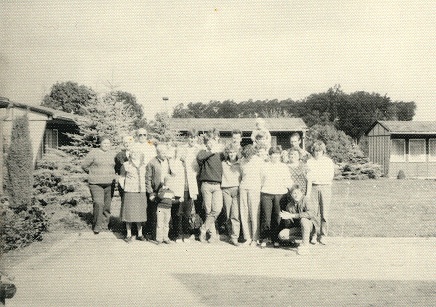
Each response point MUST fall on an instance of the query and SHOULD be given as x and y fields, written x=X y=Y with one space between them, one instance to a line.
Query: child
x=276 y=180
x=166 y=199
x=230 y=187
x=320 y=173
x=249 y=191
x=262 y=131
x=302 y=220
x=134 y=206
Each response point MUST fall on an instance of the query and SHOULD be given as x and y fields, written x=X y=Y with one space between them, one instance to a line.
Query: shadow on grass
x=245 y=290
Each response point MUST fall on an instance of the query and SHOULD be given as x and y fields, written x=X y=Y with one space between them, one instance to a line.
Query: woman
x=249 y=194
x=100 y=164
x=134 y=207
x=230 y=186
x=298 y=169
x=276 y=180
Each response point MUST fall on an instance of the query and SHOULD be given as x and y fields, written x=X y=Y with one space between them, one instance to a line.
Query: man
x=157 y=169
x=144 y=145
x=210 y=177
x=295 y=141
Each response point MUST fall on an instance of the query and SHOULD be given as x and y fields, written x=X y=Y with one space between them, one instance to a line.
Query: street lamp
x=165 y=99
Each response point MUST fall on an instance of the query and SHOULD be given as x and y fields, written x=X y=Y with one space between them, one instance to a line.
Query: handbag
x=195 y=220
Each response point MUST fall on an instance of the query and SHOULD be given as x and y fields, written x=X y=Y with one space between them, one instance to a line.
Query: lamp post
x=165 y=99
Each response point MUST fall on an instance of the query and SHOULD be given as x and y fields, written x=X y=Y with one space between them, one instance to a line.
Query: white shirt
x=321 y=170
x=276 y=178
x=251 y=173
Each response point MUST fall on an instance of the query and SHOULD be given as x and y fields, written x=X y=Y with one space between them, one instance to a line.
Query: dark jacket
x=153 y=176
x=211 y=168
x=120 y=158
x=166 y=197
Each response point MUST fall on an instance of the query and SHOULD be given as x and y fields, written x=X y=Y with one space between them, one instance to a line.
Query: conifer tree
x=19 y=163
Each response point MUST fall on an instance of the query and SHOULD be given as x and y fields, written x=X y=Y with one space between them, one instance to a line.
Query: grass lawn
x=383 y=208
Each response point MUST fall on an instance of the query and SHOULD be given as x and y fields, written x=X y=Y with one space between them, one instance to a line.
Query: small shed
x=404 y=145
x=280 y=128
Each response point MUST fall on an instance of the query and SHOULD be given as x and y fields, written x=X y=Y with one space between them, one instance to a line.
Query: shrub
x=340 y=146
x=21 y=227
x=59 y=180
x=19 y=163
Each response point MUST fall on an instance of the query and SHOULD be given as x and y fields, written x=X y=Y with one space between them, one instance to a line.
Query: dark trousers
x=101 y=198
x=270 y=206
x=150 y=225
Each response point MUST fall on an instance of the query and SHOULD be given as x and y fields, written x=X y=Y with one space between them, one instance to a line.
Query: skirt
x=134 y=207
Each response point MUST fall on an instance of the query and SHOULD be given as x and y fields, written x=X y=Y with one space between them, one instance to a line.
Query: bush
x=358 y=169
x=21 y=227
x=340 y=146
x=59 y=180
x=19 y=163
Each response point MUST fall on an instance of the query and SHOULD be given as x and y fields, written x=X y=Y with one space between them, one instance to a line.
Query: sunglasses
x=142 y=135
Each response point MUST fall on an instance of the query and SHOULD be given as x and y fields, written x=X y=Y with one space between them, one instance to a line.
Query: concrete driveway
x=89 y=270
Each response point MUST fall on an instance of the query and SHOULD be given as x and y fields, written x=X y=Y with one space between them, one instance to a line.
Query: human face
x=105 y=145
x=237 y=138
x=192 y=141
x=142 y=136
x=127 y=143
x=318 y=154
x=232 y=155
x=162 y=152
x=294 y=156
x=295 y=141
x=275 y=157
x=297 y=194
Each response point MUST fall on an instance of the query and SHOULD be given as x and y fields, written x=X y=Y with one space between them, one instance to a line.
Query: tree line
x=352 y=113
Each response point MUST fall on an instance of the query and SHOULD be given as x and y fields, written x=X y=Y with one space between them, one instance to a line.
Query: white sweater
x=276 y=178
x=320 y=171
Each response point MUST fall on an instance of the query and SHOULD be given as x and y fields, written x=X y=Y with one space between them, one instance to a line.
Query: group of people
x=257 y=194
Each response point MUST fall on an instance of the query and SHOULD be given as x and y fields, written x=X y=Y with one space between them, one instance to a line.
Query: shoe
x=96 y=232
x=202 y=237
x=247 y=242
x=157 y=242
x=322 y=240
x=263 y=245
x=276 y=244
x=167 y=241
x=186 y=240
x=254 y=243
x=128 y=239
x=303 y=249
x=179 y=241
x=141 y=238
x=234 y=242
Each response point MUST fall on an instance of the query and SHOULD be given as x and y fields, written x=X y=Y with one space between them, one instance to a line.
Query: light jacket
x=132 y=177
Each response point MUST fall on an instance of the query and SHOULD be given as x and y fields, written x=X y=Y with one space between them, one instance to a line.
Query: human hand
x=194 y=197
x=286 y=215
x=181 y=199
x=152 y=197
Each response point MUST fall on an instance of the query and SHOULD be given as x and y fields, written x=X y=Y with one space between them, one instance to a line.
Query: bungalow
x=280 y=128
x=46 y=126
x=404 y=145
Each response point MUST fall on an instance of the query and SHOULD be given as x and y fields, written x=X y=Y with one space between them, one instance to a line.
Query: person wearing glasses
x=144 y=145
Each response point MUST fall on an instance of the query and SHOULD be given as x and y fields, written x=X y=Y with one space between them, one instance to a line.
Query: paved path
x=89 y=270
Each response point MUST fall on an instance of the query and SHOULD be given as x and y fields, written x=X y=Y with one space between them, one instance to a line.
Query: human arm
x=122 y=177
x=88 y=161
x=203 y=155
x=149 y=173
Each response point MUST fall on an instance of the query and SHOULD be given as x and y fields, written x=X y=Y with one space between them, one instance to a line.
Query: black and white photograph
x=217 y=153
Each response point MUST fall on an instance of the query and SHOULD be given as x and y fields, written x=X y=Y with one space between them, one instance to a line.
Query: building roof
x=244 y=124
x=52 y=113
x=407 y=127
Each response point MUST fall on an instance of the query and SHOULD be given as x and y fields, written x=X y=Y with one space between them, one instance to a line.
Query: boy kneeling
x=303 y=220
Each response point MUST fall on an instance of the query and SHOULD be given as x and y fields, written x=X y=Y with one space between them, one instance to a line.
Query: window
x=398 y=150
x=51 y=139
x=417 y=150
x=432 y=150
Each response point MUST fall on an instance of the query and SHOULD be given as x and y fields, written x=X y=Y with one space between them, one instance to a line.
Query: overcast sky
x=201 y=50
